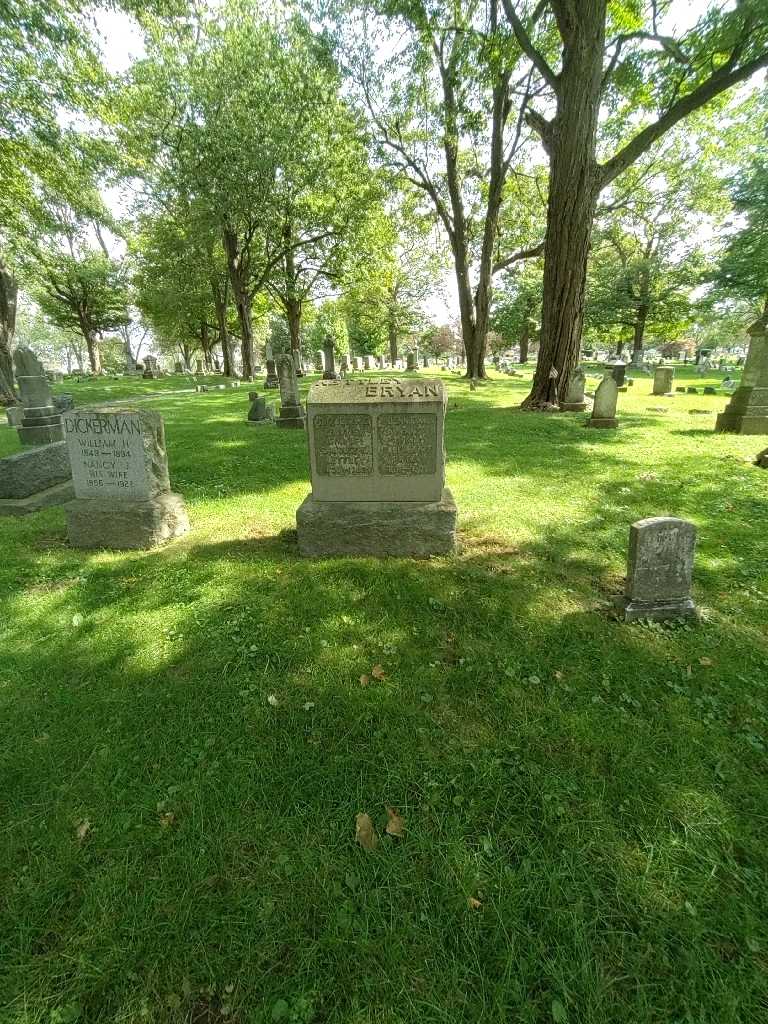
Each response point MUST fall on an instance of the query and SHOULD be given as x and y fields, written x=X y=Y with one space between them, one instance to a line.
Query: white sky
x=121 y=43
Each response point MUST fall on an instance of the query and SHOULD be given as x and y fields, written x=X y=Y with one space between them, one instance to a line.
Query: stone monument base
x=606 y=423
x=291 y=416
x=126 y=525
x=47 y=434
x=663 y=611
x=59 y=494
x=399 y=528
x=746 y=412
x=762 y=459
x=573 y=406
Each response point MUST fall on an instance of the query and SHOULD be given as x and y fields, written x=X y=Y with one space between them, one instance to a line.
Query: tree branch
x=718 y=82
x=526 y=45
x=515 y=257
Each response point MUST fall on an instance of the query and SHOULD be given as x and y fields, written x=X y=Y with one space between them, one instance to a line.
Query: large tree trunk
x=9 y=291
x=220 y=304
x=392 y=336
x=94 y=350
x=573 y=191
x=238 y=278
x=524 y=339
x=293 y=316
x=639 y=329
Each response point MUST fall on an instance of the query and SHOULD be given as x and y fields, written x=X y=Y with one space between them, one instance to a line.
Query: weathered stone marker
x=659 y=570
x=119 y=465
x=619 y=370
x=662 y=380
x=319 y=361
x=411 y=361
x=40 y=420
x=329 y=373
x=604 y=409
x=574 y=397
x=762 y=459
x=35 y=479
x=291 y=411
x=747 y=411
x=259 y=412
x=377 y=465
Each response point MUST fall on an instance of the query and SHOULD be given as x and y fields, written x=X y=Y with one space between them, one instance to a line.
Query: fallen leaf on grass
x=82 y=830
x=272 y=700
x=167 y=819
x=705 y=661
x=396 y=824
x=473 y=904
x=364 y=680
x=378 y=672
x=365 y=833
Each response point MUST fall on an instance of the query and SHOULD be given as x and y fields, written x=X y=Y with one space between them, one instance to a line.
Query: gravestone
x=64 y=402
x=680 y=391
x=662 y=379
x=319 y=361
x=150 y=368
x=298 y=365
x=35 y=479
x=710 y=390
x=411 y=363
x=747 y=410
x=762 y=459
x=659 y=570
x=271 y=381
x=637 y=359
x=574 y=396
x=357 y=363
x=377 y=465
x=367 y=362
x=291 y=412
x=619 y=369
x=329 y=373
x=604 y=408
x=178 y=367
x=692 y=391
x=259 y=413
x=14 y=415
x=382 y=362
x=40 y=420
x=198 y=366
x=123 y=498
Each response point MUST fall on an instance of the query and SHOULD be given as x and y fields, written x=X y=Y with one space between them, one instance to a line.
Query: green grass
x=600 y=789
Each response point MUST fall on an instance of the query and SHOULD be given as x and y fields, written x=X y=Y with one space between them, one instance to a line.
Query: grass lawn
x=186 y=741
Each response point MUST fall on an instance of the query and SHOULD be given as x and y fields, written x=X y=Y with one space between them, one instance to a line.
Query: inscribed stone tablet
x=343 y=444
x=119 y=455
x=407 y=444
x=661 y=553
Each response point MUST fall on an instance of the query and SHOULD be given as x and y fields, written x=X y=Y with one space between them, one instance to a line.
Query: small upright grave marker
x=574 y=397
x=291 y=412
x=659 y=570
x=662 y=379
x=604 y=409
x=40 y=419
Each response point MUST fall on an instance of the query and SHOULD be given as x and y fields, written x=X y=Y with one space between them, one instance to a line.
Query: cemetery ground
x=190 y=733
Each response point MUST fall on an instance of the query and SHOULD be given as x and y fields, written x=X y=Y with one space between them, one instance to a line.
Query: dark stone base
x=401 y=528
x=662 y=611
x=737 y=423
x=34 y=470
x=48 y=434
x=125 y=525
x=573 y=406
x=762 y=459
x=330 y=375
x=291 y=416
x=602 y=423
x=59 y=494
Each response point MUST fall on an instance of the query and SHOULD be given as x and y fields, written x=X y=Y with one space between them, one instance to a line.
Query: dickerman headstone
x=377 y=465
x=123 y=498
x=659 y=570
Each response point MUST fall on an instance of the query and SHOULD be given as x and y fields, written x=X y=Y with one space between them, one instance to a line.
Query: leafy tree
x=445 y=109
x=743 y=270
x=517 y=306
x=85 y=294
x=594 y=56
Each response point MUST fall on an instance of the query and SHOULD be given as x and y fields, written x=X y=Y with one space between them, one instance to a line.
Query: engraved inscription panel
x=343 y=444
x=663 y=563
x=407 y=444
x=107 y=455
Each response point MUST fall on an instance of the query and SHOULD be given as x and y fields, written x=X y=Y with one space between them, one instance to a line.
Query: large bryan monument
x=377 y=465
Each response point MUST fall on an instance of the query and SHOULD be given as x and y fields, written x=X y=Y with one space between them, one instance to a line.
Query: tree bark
x=392 y=336
x=220 y=305
x=293 y=316
x=94 y=350
x=9 y=291
x=238 y=278
x=524 y=339
x=571 y=140
x=639 y=329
